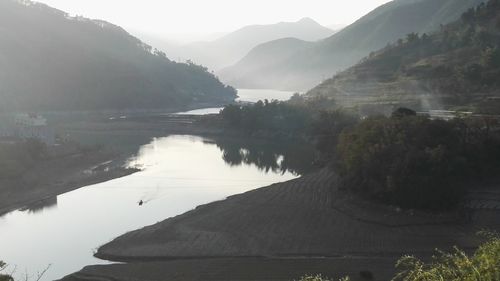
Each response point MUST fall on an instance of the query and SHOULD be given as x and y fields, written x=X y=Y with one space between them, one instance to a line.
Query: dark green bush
x=413 y=161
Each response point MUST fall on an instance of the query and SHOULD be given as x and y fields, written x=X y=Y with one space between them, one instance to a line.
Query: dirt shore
x=305 y=225
x=52 y=177
x=242 y=269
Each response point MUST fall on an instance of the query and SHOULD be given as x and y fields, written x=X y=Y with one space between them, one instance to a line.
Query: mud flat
x=52 y=177
x=285 y=269
x=305 y=225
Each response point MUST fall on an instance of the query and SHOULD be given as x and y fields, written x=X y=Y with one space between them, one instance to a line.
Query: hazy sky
x=162 y=17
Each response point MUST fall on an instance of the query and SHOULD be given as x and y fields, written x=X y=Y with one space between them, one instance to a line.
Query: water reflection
x=180 y=173
x=276 y=157
x=40 y=206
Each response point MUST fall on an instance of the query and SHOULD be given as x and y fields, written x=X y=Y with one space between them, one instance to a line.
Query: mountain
x=230 y=48
x=261 y=57
x=307 y=67
x=51 y=61
x=456 y=67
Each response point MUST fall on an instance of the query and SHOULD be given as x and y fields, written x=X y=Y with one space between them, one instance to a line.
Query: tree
x=327 y=127
x=320 y=278
x=490 y=57
x=469 y=16
x=409 y=161
x=412 y=37
x=403 y=112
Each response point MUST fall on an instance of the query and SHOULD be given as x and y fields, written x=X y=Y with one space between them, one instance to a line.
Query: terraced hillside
x=457 y=66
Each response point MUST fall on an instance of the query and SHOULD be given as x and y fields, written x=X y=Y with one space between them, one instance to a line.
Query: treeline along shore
x=388 y=187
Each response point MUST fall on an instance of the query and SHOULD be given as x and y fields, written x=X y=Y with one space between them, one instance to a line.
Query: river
x=178 y=174
x=246 y=95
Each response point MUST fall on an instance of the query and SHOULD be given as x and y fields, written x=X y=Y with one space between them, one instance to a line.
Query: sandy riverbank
x=52 y=177
x=273 y=232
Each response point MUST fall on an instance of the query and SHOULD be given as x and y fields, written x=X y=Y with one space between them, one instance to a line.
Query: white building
x=30 y=120
x=28 y=126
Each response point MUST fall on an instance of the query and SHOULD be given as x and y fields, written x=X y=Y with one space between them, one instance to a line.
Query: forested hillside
x=457 y=66
x=51 y=61
x=308 y=66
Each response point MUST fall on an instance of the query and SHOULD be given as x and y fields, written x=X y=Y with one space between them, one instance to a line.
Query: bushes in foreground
x=482 y=265
x=4 y=277
x=320 y=278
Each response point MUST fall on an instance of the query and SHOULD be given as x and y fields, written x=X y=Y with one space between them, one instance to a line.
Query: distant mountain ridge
x=51 y=61
x=307 y=67
x=230 y=48
x=456 y=67
x=264 y=56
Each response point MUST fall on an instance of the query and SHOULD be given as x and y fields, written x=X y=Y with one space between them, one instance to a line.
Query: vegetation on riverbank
x=405 y=160
x=297 y=117
x=416 y=162
x=482 y=265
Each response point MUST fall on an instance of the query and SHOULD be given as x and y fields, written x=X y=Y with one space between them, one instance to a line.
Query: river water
x=178 y=174
x=246 y=95
x=254 y=95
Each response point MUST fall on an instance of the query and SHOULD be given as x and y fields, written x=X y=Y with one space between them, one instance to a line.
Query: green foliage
x=327 y=127
x=490 y=57
x=483 y=265
x=320 y=278
x=298 y=117
x=268 y=116
x=413 y=161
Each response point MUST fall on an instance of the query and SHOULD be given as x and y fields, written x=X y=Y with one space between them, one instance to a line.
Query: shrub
x=483 y=265
x=320 y=278
x=4 y=277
